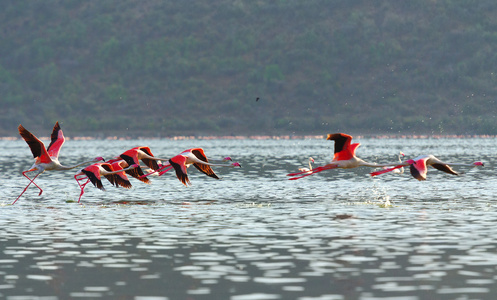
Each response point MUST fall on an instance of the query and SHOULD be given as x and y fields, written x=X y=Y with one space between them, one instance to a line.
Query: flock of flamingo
x=116 y=169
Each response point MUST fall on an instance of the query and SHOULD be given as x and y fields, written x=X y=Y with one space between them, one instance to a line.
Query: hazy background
x=161 y=68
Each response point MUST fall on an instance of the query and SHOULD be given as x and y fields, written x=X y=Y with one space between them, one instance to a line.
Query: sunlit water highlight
x=254 y=234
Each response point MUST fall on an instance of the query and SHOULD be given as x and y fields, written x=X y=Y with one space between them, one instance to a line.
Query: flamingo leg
x=168 y=169
x=385 y=170
x=307 y=173
x=31 y=181
x=82 y=186
x=160 y=170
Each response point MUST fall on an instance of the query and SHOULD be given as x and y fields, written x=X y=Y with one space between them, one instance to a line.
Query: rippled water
x=253 y=234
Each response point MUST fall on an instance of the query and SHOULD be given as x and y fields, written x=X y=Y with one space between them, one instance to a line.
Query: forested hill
x=163 y=68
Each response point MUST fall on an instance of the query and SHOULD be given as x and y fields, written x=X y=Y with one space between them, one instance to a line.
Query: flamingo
x=46 y=159
x=418 y=166
x=95 y=172
x=311 y=160
x=196 y=157
x=400 y=170
x=344 y=157
x=134 y=155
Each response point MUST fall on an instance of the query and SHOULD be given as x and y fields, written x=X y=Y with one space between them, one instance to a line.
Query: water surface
x=253 y=234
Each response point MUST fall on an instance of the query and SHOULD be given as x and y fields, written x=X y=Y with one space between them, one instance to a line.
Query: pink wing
x=36 y=146
x=58 y=140
x=179 y=164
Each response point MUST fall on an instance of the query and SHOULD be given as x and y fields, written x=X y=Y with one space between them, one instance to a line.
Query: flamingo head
x=402 y=153
x=134 y=166
x=311 y=159
x=227 y=158
x=235 y=164
x=99 y=159
x=478 y=163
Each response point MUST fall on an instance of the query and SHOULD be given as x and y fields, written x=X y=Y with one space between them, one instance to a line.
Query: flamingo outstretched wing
x=207 y=170
x=57 y=140
x=343 y=149
x=37 y=147
x=152 y=164
x=179 y=164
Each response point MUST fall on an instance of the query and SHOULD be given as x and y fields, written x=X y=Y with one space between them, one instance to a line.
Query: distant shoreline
x=265 y=137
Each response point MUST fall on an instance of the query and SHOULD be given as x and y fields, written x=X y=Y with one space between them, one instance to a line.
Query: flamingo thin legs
x=31 y=181
x=81 y=186
x=307 y=173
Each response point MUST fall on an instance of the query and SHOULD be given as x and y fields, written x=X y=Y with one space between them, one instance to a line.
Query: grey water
x=253 y=234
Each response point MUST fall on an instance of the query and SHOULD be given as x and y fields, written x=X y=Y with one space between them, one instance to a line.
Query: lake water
x=254 y=234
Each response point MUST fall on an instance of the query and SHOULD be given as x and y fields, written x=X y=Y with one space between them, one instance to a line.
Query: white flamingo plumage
x=303 y=169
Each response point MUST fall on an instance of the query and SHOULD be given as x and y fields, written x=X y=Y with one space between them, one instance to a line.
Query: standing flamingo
x=311 y=160
x=46 y=159
x=344 y=157
x=418 y=166
x=400 y=170
x=195 y=157
x=95 y=172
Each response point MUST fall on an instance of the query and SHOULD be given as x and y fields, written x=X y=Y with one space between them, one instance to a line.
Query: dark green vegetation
x=196 y=67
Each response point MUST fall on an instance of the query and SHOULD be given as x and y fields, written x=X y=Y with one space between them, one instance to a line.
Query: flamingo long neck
x=196 y=160
x=374 y=165
x=104 y=172
x=61 y=167
x=461 y=164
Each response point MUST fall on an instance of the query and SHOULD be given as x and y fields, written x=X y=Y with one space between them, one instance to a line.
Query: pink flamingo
x=195 y=157
x=93 y=173
x=143 y=153
x=46 y=159
x=344 y=157
x=418 y=166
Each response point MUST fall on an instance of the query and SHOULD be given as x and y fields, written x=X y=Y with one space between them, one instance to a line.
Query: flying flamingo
x=93 y=173
x=418 y=166
x=344 y=157
x=134 y=155
x=195 y=157
x=46 y=159
x=311 y=160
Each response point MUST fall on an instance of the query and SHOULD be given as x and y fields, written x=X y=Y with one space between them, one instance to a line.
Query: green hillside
x=162 y=68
